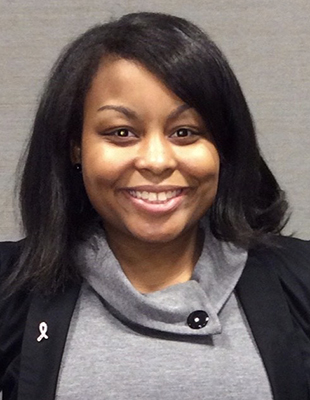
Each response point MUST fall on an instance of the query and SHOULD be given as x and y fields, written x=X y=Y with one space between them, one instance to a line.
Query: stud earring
x=77 y=167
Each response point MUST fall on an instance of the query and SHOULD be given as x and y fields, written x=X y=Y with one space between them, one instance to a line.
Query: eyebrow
x=133 y=115
x=124 y=110
x=179 y=110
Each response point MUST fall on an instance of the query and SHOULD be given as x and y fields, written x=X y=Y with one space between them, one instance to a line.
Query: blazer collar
x=43 y=344
x=266 y=308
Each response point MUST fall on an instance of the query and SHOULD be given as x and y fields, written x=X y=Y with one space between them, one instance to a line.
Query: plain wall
x=267 y=43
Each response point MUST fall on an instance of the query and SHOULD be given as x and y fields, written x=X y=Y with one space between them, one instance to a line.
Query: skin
x=139 y=136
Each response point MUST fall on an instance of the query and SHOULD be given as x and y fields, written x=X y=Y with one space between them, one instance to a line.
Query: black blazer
x=274 y=291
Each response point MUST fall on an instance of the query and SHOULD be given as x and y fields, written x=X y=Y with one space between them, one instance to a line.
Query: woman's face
x=150 y=168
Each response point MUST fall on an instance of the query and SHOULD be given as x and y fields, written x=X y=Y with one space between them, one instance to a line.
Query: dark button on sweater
x=197 y=319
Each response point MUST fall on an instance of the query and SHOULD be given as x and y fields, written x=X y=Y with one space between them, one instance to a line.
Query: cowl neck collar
x=213 y=280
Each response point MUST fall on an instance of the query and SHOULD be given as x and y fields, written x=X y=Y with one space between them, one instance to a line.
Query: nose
x=156 y=154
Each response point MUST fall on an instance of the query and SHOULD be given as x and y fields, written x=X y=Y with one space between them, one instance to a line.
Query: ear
x=75 y=152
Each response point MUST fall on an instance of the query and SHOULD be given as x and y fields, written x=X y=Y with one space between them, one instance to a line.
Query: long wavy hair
x=249 y=205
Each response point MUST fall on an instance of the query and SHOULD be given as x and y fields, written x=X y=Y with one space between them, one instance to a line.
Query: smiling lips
x=156 y=200
x=155 y=197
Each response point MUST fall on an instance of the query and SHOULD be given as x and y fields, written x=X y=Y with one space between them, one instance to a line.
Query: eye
x=184 y=136
x=183 y=133
x=120 y=136
x=122 y=133
x=119 y=133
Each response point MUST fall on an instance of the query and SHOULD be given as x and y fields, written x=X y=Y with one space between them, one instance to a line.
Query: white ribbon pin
x=43 y=330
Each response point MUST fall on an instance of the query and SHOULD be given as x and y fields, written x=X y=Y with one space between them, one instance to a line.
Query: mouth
x=156 y=200
x=155 y=197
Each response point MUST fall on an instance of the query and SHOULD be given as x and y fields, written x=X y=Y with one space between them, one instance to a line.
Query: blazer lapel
x=43 y=344
x=268 y=314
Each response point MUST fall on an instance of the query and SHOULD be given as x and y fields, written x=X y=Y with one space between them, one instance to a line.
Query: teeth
x=154 y=196
x=162 y=196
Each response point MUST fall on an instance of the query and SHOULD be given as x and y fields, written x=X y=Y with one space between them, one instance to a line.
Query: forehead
x=122 y=82
x=128 y=79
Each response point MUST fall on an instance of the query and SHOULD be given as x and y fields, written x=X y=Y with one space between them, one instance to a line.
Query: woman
x=152 y=265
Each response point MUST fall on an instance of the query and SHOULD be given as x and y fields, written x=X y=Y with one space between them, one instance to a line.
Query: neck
x=155 y=266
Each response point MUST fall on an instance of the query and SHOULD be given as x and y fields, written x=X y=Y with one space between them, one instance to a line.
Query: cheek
x=102 y=165
x=100 y=176
x=204 y=164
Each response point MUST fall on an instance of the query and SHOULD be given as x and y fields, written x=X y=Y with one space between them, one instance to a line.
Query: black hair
x=249 y=204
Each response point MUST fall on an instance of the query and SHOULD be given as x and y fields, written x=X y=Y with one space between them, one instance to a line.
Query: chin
x=153 y=234
x=156 y=238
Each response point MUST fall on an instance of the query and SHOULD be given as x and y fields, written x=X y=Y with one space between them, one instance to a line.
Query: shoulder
x=289 y=260
x=9 y=253
x=13 y=313
x=288 y=256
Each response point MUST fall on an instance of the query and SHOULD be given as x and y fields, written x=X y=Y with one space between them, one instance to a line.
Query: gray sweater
x=123 y=344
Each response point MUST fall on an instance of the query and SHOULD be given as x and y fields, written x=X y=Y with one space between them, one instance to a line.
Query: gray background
x=267 y=43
